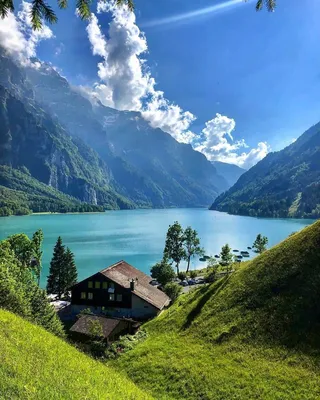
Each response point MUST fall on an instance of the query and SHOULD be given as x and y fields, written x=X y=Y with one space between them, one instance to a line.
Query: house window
x=119 y=297
x=104 y=285
x=111 y=285
x=90 y=284
x=97 y=285
x=83 y=295
x=146 y=306
x=90 y=296
x=111 y=297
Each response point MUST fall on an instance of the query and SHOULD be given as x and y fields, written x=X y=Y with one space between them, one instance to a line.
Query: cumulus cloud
x=217 y=143
x=125 y=80
x=17 y=36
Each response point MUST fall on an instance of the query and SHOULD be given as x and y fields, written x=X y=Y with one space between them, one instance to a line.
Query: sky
x=234 y=83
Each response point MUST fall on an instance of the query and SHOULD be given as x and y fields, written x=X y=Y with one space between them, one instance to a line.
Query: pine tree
x=70 y=270
x=260 y=244
x=226 y=257
x=55 y=283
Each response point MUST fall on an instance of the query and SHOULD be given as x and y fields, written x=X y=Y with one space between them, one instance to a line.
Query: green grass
x=254 y=335
x=34 y=364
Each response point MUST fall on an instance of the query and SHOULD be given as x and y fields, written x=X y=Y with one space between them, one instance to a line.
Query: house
x=120 y=291
x=111 y=328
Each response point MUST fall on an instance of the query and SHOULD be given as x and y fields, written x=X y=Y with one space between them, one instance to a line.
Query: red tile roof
x=122 y=273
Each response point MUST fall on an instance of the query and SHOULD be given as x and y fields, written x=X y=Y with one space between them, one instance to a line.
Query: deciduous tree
x=173 y=291
x=162 y=272
x=37 y=240
x=174 y=245
x=191 y=243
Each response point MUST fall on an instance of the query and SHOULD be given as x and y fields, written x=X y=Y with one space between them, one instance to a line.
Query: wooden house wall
x=100 y=296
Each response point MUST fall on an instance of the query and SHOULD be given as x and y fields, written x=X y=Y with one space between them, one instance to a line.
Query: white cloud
x=125 y=80
x=59 y=49
x=217 y=144
x=17 y=36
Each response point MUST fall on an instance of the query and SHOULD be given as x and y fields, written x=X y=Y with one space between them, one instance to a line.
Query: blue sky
x=259 y=71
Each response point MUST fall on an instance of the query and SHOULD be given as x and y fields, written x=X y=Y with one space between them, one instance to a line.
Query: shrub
x=182 y=275
x=173 y=290
x=193 y=274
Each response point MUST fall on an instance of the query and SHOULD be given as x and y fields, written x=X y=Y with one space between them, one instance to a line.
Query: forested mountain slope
x=147 y=165
x=283 y=184
x=252 y=335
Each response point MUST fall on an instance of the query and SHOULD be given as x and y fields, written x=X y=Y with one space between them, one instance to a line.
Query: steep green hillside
x=283 y=184
x=22 y=194
x=37 y=365
x=254 y=335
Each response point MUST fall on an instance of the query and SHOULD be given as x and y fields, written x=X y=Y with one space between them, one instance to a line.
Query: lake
x=138 y=236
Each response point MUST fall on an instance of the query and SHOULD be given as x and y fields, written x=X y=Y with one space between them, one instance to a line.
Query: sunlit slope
x=254 y=335
x=34 y=364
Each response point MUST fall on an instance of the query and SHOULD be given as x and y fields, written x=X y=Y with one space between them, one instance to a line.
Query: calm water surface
x=138 y=236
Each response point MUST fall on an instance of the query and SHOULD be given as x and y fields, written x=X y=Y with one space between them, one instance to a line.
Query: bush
x=182 y=275
x=162 y=272
x=193 y=274
x=210 y=276
x=173 y=290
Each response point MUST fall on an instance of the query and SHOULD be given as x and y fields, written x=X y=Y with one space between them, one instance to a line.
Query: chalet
x=120 y=291
x=111 y=328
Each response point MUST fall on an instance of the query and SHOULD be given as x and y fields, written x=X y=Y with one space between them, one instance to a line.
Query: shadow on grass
x=210 y=293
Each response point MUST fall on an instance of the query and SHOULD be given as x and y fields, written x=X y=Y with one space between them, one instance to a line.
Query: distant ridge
x=284 y=184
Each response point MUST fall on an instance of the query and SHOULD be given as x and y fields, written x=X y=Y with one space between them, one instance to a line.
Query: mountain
x=21 y=194
x=283 y=184
x=252 y=335
x=147 y=165
x=230 y=172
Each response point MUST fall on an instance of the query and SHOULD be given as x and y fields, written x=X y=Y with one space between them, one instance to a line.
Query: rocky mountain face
x=230 y=172
x=283 y=184
x=147 y=165
x=31 y=138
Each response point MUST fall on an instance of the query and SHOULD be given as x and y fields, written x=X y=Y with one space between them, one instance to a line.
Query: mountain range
x=95 y=154
x=284 y=184
x=230 y=172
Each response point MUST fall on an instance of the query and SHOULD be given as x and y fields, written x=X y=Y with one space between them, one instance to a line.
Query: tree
x=22 y=247
x=260 y=244
x=41 y=10
x=162 y=272
x=95 y=329
x=226 y=257
x=56 y=278
x=191 y=245
x=182 y=275
x=210 y=275
x=193 y=274
x=172 y=290
x=63 y=271
x=71 y=273
x=174 y=244
x=37 y=240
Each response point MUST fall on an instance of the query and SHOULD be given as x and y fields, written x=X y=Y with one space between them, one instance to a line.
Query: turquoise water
x=138 y=236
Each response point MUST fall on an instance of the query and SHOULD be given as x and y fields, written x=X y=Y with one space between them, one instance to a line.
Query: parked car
x=184 y=283
x=154 y=283
x=192 y=282
x=200 y=281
